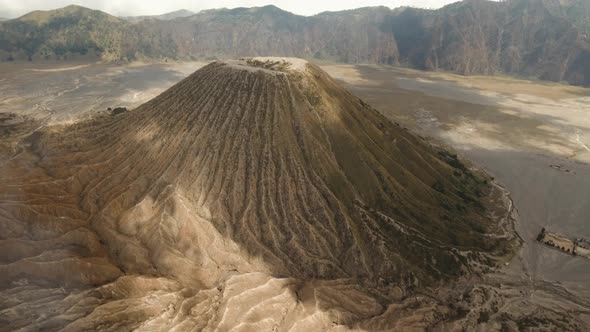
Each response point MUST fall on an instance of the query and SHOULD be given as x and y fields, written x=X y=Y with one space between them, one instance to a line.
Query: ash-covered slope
x=257 y=167
x=287 y=164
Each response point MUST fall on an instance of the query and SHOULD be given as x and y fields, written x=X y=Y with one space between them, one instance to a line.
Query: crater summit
x=241 y=186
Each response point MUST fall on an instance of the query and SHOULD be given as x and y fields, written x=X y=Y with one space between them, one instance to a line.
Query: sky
x=15 y=8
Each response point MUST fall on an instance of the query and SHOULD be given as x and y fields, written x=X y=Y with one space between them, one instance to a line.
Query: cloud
x=12 y=8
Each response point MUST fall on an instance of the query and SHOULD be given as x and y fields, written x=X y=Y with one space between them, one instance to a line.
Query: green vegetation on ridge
x=546 y=39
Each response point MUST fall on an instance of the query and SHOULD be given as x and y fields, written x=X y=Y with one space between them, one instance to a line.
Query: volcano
x=226 y=200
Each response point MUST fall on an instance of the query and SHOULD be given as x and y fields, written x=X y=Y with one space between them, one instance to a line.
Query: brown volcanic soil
x=221 y=202
x=530 y=136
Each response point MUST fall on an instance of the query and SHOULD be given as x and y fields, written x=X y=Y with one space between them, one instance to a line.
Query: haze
x=10 y=9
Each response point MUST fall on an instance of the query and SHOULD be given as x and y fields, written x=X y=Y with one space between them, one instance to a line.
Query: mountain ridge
x=545 y=39
x=164 y=17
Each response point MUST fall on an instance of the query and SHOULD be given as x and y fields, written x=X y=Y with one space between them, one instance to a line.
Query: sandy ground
x=64 y=93
x=534 y=137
